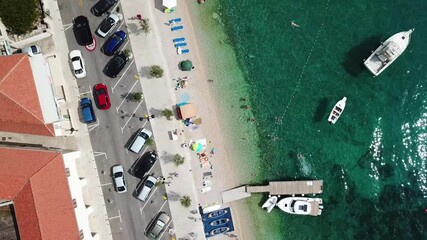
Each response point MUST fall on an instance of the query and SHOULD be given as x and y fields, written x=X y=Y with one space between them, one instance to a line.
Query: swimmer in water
x=293 y=24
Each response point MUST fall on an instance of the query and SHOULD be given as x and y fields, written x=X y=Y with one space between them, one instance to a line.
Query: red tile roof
x=20 y=109
x=38 y=186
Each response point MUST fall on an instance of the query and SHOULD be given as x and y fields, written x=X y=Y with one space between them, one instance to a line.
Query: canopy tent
x=186 y=111
x=169 y=3
x=186 y=65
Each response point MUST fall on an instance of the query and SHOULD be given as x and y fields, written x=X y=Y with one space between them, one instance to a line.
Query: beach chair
x=177 y=28
x=177 y=40
x=183 y=44
x=185 y=51
x=175 y=20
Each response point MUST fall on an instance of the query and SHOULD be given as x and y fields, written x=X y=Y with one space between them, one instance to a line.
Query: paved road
x=128 y=216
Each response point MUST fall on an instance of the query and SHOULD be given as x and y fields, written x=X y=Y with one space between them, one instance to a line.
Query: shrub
x=19 y=16
x=135 y=97
x=178 y=159
x=185 y=201
x=167 y=113
x=145 y=25
x=156 y=71
x=150 y=141
x=127 y=52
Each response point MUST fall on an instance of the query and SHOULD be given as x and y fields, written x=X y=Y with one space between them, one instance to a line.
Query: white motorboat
x=387 y=52
x=301 y=205
x=270 y=203
x=337 y=111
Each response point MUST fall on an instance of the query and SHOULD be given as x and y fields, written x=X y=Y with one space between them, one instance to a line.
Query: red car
x=101 y=96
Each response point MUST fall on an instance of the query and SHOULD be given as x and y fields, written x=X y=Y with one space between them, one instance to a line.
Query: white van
x=144 y=188
x=139 y=140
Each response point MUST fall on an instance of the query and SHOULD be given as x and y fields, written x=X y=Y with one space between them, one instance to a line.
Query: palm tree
x=145 y=25
x=186 y=201
x=178 y=159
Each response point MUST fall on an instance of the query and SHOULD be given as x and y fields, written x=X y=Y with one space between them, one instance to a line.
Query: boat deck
x=374 y=64
x=315 y=209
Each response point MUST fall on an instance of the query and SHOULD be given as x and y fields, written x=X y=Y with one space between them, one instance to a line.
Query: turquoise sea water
x=373 y=161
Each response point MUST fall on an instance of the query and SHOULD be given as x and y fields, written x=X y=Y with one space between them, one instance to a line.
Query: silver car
x=108 y=24
x=119 y=178
x=157 y=226
x=32 y=50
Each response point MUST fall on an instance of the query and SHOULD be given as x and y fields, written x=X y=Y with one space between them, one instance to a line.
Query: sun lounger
x=175 y=20
x=177 y=40
x=185 y=51
x=177 y=28
x=181 y=44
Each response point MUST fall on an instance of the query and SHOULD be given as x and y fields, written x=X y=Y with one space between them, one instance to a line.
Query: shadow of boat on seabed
x=353 y=63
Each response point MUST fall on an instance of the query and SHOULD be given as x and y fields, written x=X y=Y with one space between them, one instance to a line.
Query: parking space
x=128 y=217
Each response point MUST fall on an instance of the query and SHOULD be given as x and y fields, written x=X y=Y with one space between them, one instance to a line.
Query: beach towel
x=177 y=40
x=177 y=28
x=185 y=51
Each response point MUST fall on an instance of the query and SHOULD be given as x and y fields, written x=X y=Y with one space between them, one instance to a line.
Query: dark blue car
x=113 y=43
x=87 y=110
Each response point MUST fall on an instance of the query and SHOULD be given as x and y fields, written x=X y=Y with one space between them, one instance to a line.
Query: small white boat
x=270 y=203
x=387 y=52
x=301 y=205
x=337 y=111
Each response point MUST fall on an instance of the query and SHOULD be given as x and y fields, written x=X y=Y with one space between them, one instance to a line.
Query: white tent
x=169 y=3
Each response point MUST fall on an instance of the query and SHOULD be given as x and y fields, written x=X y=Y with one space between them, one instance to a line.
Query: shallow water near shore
x=373 y=161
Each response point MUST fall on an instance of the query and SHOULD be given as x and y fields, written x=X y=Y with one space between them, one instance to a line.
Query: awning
x=169 y=3
x=187 y=111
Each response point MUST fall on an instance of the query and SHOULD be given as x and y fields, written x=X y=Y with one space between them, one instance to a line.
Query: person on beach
x=293 y=24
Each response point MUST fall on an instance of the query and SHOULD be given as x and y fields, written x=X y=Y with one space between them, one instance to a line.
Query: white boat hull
x=337 y=111
x=301 y=205
x=388 y=52
x=270 y=203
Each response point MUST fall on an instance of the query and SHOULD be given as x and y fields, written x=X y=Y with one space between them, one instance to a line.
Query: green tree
x=145 y=25
x=19 y=16
x=178 y=159
x=135 y=97
x=186 y=201
x=150 y=141
x=156 y=71
x=167 y=113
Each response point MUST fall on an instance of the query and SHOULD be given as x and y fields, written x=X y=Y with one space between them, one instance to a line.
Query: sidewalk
x=160 y=94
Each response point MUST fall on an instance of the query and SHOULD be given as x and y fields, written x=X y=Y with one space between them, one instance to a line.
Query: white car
x=78 y=64
x=32 y=50
x=108 y=24
x=119 y=178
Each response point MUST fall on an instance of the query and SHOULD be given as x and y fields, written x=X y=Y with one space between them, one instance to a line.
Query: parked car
x=119 y=178
x=102 y=7
x=113 y=43
x=87 y=110
x=78 y=64
x=144 y=188
x=32 y=50
x=102 y=97
x=144 y=164
x=82 y=31
x=115 y=65
x=157 y=226
x=139 y=140
x=107 y=25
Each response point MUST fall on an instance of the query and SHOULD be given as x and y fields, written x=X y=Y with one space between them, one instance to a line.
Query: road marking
x=162 y=206
x=121 y=25
x=127 y=42
x=96 y=154
x=106 y=184
x=124 y=99
x=67 y=26
x=93 y=126
x=88 y=92
x=124 y=73
x=121 y=128
x=161 y=235
x=120 y=217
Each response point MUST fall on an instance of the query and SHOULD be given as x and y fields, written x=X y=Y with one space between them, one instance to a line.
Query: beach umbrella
x=197 y=147
x=169 y=3
x=186 y=65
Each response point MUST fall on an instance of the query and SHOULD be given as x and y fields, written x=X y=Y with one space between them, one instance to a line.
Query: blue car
x=113 y=43
x=87 y=110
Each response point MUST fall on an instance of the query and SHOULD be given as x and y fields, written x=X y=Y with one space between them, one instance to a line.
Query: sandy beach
x=158 y=49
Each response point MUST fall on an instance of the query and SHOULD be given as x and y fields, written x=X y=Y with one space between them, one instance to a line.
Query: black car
x=115 y=65
x=144 y=164
x=82 y=31
x=102 y=6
